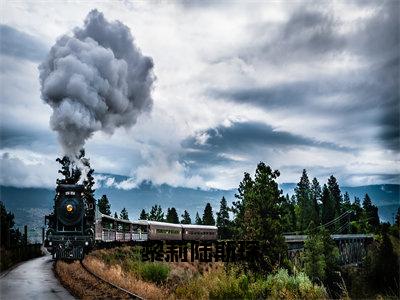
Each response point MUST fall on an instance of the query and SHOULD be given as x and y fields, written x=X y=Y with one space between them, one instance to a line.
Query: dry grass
x=128 y=281
x=83 y=285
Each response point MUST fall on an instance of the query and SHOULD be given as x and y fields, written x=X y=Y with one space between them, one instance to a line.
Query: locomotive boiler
x=70 y=232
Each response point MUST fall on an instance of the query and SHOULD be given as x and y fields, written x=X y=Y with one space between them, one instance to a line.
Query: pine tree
x=328 y=206
x=371 y=213
x=186 y=218
x=238 y=208
x=143 y=215
x=172 y=216
x=115 y=215
x=156 y=214
x=316 y=195
x=258 y=214
x=336 y=195
x=124 y=214
x=286 y=215
x=104 y=205
x=198 y=220
x=303 y=195
x=397 y=220
x=223 y=223
x=208 y=216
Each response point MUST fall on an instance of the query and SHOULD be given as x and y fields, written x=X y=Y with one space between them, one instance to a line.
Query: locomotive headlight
x=86 y=243
x=70 y=208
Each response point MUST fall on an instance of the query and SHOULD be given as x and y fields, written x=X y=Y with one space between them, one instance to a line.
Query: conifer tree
x=156 y=214
x=259 y=211
x=316 y=195
x=115 y=215
x=208 y=216
x=328 y=205
x=336 y=195
x=303 y=195
x=124 y=214
x=371 y=213
x=143 y=215
x=186 y=218
x=172 y=216
x=223 y=222
x=198 y=220
x=104 y=205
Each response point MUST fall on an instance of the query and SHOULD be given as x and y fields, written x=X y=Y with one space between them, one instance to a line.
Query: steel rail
x=132 y=295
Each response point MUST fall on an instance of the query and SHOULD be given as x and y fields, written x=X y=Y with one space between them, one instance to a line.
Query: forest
x=261 y=212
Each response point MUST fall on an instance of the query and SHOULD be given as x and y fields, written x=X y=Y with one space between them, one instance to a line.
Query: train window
x=70 y=193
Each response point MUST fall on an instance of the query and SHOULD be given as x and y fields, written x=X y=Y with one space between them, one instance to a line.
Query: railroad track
x=131 y=295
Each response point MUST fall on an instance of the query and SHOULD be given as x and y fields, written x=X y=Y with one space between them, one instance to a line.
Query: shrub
x=283 y=286
x=154 y=272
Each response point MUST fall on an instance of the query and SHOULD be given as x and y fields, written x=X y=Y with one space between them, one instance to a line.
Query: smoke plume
x=95 y=80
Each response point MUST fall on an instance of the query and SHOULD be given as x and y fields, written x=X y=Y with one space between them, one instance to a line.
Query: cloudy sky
x=294 y=84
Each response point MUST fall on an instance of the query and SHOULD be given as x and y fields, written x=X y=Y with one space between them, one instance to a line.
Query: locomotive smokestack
x=95 y=80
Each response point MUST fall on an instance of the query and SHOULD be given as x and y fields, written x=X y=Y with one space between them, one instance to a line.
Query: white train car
x=109 y=229
x=199 y=232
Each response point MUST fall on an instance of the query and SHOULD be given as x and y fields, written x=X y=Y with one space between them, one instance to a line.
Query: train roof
x=115 y=219
x=185 y=226
x=190 y=226
x=146 y=222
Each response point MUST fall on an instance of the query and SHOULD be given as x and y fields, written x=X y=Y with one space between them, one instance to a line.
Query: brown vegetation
x=84 y=285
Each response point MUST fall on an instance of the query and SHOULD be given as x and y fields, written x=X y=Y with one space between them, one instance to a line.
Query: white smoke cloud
x=95 y=80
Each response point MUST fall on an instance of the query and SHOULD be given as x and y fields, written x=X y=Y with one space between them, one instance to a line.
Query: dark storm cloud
x=243 y=136
x=369 y=97
x=20 y=44
x=12 y=136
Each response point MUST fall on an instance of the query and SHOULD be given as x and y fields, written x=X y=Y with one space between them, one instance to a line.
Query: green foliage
x=154 y=272
x=258 y=214
x=124 y=214
x=198 y=220
x=104 y=205
x=223 y=222
x=186 y=218
x=314 y=258
x=172 y=216
x=289 y=219
x=303 y=196
x=382 y=265
x=208 y=216
x=156 y=214
x=336 y=195
x=283 y=286
x=371 y=213
x=328 y=205
x=143 y=215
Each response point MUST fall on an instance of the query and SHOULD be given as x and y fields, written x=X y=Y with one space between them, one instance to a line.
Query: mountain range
x=29 y=205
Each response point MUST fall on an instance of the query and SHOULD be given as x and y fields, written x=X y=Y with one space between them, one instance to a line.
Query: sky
x=295 y=84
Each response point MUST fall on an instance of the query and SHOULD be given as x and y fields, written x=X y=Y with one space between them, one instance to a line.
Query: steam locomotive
x=70 y=228
x=76 y=226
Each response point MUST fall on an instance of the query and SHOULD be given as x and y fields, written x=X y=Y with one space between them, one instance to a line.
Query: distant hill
x=31 y=204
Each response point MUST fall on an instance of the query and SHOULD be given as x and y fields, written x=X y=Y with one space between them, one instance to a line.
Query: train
x=76 y=226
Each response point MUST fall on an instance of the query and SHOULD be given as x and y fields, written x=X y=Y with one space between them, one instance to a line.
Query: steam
x=95 y=80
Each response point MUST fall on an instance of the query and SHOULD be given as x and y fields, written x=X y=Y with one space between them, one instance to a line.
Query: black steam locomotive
x=70 y=228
